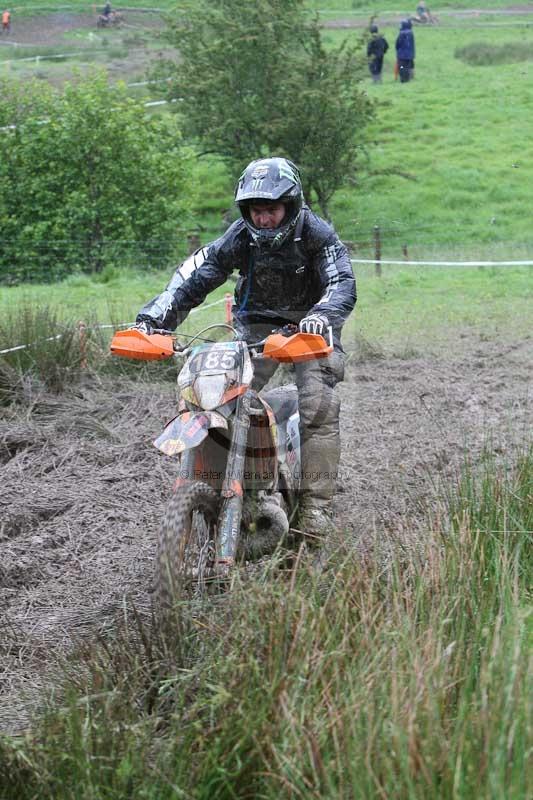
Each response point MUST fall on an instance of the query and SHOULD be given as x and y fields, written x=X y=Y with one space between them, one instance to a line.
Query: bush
x=482 y=54
x=87 y=179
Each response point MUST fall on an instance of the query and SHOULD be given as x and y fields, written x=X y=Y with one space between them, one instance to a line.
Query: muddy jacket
x=311 y=272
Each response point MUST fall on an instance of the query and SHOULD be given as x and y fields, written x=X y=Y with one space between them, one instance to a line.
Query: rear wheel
x=186 y=547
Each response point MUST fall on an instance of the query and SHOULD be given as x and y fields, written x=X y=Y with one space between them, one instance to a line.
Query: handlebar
x=285 y=343
x=290 y=329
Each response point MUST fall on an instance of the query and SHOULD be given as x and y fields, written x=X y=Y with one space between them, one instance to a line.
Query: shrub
x=482 y=54
x=87 y=178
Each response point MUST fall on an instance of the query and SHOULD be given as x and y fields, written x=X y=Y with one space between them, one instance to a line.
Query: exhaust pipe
x=268 y=525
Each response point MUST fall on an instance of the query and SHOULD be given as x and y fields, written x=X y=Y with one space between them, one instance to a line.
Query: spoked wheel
x=186 y=547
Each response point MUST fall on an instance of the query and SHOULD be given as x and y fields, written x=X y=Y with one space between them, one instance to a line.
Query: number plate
x=216 y=358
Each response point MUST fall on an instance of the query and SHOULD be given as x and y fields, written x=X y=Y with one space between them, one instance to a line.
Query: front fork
x=229 y=519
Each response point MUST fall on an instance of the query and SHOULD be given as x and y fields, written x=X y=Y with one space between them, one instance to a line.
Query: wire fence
x=83 y=328
x=377 y=261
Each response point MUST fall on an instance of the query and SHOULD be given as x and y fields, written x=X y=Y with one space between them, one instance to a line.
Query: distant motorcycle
x=239 y=473
x=110 y=20
x=425 y=19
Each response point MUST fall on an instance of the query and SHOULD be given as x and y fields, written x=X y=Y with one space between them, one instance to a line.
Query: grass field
x=457 y=134
x=448 y=166
x=407 y=307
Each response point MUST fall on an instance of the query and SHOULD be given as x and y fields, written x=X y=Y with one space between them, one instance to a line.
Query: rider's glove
x=144 y=327
x=314 y=323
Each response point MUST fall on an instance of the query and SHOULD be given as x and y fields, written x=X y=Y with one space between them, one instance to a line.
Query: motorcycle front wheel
x=186 y=546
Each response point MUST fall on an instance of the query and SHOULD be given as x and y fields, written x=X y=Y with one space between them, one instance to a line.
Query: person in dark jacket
x=375 y=50
x=405 y=51
x=293 y=269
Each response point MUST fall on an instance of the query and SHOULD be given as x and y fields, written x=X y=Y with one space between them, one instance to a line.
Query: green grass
x=448 y=167
x=407 y=308
x=455 y=137
x=115 y=296
x=424 y=308
x=406 y=681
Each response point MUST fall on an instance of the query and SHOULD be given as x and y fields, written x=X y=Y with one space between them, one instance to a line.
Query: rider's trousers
x=319 y=422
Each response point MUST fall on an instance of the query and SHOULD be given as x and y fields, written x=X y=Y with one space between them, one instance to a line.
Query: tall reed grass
x=53 y=354
x=46 y=351
x=369 y=681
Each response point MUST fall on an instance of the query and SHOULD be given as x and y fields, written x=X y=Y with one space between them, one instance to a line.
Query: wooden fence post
x=82 y=330
x=405 y=253
x=377 y=250
x=227 y=305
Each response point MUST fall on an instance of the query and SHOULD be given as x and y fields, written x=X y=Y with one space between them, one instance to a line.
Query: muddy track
x=83 y=490
x=60 y=29
x=54 y=29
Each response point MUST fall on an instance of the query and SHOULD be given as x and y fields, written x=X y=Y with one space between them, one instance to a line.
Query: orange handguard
x=299 y=347
x=142 y=346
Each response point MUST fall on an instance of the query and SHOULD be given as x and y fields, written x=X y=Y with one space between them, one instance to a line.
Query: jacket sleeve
x=203 y=271
x=337 y=281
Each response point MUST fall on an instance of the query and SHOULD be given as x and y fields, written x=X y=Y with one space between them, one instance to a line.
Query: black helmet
x=270 y=180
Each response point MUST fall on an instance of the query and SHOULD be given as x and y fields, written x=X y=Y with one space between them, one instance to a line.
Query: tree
x=255 y=79
x=87 y=178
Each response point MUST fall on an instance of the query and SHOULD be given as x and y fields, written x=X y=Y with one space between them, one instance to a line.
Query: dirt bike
x=111 y=20
x=427 y=19
x=237 y=490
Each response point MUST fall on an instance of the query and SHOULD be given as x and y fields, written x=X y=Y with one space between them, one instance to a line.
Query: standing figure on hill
x=6 y=21
x=376 y=49
x=293 y=270
x=405 y=51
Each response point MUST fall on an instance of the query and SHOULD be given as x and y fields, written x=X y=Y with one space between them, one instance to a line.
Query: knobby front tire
x=187 y=545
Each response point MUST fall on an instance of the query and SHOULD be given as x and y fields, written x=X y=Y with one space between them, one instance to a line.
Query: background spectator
x=405 y=51
x=6 y=21
x=376 y=49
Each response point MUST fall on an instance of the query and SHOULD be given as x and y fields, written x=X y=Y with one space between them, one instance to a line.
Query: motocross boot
x=319 y=411
x=317 y=528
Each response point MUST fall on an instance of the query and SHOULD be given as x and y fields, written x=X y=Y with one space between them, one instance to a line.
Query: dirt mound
x=83 y=489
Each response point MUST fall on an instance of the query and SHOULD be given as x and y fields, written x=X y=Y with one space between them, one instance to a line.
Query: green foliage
x=49 y=353
x=87 y=178
x=255 y=79
x=407 y=681
x=486 y=54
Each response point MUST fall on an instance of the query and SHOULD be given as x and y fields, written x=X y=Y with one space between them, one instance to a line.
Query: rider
x=293 y=269
x=423 y=14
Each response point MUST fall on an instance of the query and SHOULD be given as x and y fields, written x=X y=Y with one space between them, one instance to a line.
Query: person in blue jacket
x=405 y=51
